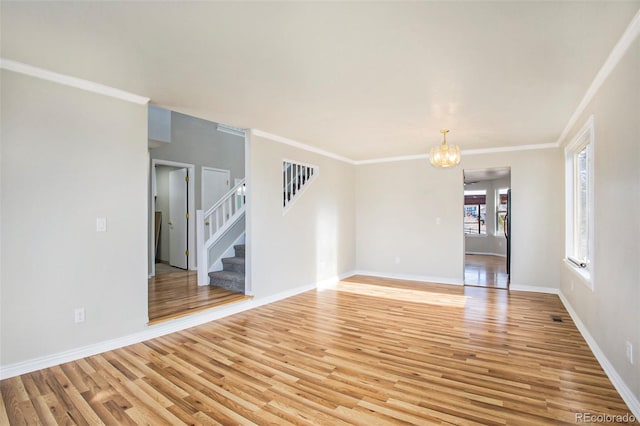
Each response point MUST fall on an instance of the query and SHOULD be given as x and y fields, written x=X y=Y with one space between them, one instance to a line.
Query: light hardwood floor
x=485 y=271
x=368 y=352
x=177 y=294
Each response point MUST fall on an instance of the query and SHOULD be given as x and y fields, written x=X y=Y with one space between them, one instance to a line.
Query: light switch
x=101 y=224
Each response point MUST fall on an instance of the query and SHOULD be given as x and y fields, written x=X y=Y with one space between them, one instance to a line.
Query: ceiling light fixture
x=444 y=155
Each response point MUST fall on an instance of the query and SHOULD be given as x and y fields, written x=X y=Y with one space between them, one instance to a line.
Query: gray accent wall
x=196 y=141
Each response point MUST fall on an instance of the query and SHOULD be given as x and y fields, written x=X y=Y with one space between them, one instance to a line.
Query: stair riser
x=234 y=267
x=228 y=285
x=240 y=252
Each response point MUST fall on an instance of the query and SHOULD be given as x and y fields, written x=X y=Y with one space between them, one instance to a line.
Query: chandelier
x=444 y=155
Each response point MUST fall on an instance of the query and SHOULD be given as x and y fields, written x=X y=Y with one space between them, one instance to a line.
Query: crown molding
x=619 y=50
x=67 y=80
x=509 y=148
x=463 y=152
x=300 y=145
x=392 y=159
x=315 y=150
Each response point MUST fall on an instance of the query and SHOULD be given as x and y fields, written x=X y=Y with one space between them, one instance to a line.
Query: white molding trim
x=627 y=395
x=410 y=277
x=192 y=265
x=392 y=159
x=618 y=52
x=231 y=130
x=463 y=152
x=300 y=145
x=509 y=149
x=533 y=289
x=67 y=80
x=315 y=150
x=152 y=332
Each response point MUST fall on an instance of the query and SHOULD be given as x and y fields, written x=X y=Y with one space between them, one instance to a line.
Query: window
x=579 y=200
x=501 y=209
x=475 y=212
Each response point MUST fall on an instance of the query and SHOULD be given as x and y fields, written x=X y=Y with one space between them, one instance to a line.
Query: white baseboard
x=331 y=282
x=627 y=395
x=533 y=289
x=421 y=278
x=153 y=331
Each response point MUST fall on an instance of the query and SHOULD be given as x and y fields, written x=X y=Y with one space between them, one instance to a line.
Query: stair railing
x=214 y=223
x=295 y=177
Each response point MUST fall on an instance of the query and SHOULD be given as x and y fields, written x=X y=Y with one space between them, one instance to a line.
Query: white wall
x=611 y=312
x=489 y=243
x=397 y=207
x=314 y=241
x=69 y=156
x=399 y=203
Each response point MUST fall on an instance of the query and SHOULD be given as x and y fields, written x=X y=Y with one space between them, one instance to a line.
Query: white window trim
x=496 y=232
x=586 y=135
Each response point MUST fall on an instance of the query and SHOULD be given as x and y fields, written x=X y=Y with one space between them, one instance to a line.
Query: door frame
x=202 y=169
x=191 y=204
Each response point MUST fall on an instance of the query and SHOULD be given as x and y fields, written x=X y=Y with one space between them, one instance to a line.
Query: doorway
x=486 y=226
x=172 y=236
x=215 y=184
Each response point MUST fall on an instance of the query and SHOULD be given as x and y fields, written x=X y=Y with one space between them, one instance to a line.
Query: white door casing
x=178 y=219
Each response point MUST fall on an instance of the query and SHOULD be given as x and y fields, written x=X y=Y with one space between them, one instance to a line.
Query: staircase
x=232 y=275
x=214 y=224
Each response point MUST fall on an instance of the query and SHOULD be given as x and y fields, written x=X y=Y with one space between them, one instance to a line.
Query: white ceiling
x=363 y=80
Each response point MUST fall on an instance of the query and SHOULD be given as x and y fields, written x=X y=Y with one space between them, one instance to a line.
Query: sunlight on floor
x=402 y=294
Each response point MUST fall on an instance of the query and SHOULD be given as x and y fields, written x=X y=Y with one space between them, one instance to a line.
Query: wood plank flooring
x=370 y=351
x=178 y=294
x=485 y=271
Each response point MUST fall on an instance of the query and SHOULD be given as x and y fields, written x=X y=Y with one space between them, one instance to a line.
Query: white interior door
x=215 y=183
x=178 y=223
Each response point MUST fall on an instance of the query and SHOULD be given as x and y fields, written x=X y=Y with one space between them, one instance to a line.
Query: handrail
x=227 y=194
x=215 y=222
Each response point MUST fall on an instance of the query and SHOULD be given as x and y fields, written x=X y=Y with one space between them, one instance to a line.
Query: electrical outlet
x=78 y=315
x=438 y=221
x=629 y=352
x=397 y=259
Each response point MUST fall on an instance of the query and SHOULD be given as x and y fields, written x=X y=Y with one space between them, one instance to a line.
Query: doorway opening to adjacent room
x=487 y=227
x=173 y=204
